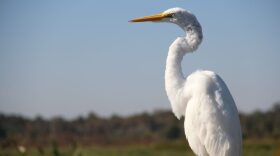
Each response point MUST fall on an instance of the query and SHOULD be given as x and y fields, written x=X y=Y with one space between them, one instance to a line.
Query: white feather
x=212 y=125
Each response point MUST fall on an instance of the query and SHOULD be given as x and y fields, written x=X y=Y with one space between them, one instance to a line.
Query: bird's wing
x=211 y=119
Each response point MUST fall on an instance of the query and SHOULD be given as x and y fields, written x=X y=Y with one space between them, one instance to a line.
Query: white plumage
x=212 y=125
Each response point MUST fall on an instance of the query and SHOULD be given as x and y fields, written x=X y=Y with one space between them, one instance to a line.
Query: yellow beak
x=156 y=17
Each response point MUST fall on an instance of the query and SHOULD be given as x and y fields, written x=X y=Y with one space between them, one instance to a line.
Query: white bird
x=212 y=125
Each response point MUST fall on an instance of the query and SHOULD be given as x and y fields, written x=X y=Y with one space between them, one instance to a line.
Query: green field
x=166 y=149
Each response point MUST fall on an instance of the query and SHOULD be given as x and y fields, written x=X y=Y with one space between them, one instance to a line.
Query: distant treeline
x=141 y=128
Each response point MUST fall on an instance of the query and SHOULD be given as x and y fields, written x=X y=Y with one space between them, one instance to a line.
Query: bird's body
x=212 y=125
x=211 y=119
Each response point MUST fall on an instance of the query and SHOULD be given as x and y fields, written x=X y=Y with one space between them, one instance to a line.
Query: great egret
x=212 y=125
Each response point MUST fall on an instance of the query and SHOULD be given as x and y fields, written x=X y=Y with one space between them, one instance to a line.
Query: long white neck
x=174 y=78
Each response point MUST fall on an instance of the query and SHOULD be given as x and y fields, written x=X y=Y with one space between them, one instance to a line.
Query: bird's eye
x=171 y=15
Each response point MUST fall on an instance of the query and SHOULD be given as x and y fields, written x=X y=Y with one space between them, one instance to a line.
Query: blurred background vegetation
x=157 y=133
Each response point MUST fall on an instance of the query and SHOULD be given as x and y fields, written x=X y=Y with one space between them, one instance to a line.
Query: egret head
x=184 y=19
x=178 y=16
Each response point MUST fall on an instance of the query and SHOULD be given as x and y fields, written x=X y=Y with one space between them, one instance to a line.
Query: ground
x=251 y=148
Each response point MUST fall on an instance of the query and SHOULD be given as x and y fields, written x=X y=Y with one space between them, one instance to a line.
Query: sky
x=69 y=58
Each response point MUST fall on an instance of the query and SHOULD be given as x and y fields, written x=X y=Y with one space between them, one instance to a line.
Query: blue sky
x=70 y=58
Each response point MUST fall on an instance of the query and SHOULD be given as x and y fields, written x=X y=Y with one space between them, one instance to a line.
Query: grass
x=164 y=149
